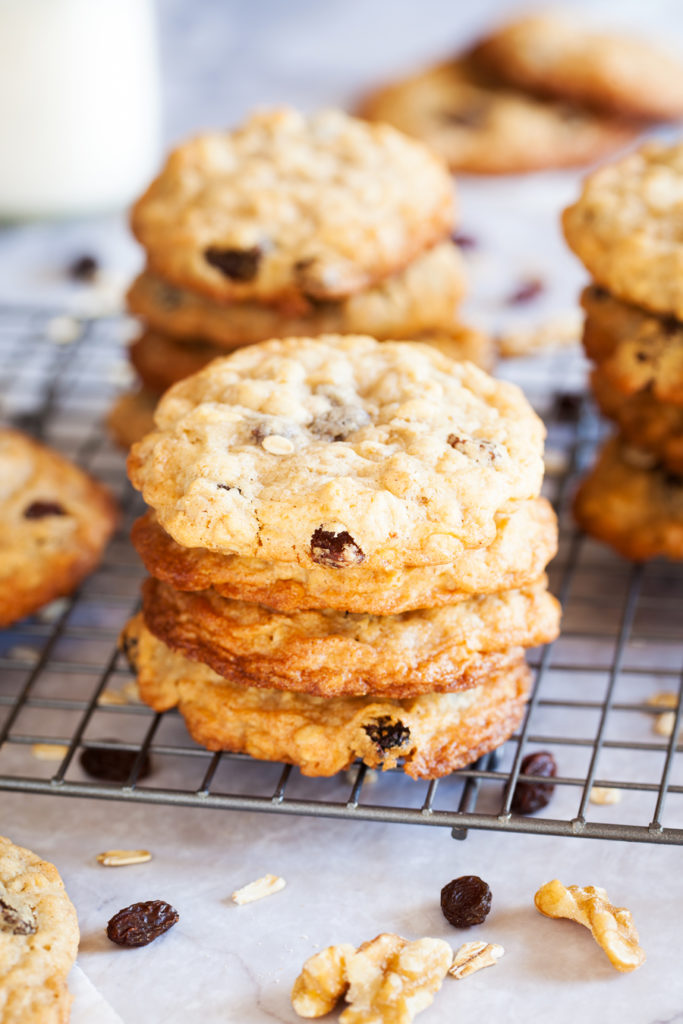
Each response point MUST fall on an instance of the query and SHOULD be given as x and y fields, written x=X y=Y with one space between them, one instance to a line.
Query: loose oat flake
x=257 y=890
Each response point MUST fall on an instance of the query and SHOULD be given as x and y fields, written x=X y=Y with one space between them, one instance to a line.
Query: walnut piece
x=322 y=981
x=386 y=981
x=473 y=956
x=391 y=979
x=612 y=927
x=258 y=889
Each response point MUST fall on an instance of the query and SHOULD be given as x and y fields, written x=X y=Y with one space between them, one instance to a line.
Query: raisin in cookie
x=38 y=939
x=636 y=351
x=420 y=299
x=55 y=521
x=633 y=504
x=339 y=451
x=645 y=422
x=556 y=55
x=430 y=735
x=627 y=228
x=290 y=209
x=480 y=125
x=335 y=654
x=526 y=540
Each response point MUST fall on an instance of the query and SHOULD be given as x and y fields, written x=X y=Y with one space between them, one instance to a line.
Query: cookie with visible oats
x=38 y=939
x=55 y=522
x=422 y=298
x=478 y=124
x=636 y=351
x=644 y=422
x=632 y=503
x=291 y=209
x=526 y=540
x=429 y=735
x=161 y=361
x=555 y=54
x=339 y=451
x=131 y=416
x=626 y=228
x=335 y=654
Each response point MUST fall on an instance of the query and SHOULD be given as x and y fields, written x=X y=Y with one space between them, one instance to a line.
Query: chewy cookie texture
x=38 y=939
x=339 y=451
x=624 y=228
x=301 y=641
x=55 y=521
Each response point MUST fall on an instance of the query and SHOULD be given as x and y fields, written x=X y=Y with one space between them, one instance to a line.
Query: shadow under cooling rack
x=66 y=698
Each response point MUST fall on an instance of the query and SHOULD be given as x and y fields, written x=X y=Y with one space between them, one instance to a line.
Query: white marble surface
x=346 y=881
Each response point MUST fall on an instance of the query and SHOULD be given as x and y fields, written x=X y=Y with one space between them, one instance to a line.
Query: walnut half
x=612 y=927
x=386 y=981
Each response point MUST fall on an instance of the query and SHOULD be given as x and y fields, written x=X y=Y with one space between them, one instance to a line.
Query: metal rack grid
x=60 y=671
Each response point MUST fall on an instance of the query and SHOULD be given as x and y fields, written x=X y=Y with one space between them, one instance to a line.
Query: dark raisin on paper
x=141 y=923
x=113 y=765
x=526 y=291
x=84 y=268
x=464 y=241
x=335 y=549
x=387 y=734
x=41 y=509
x=466 y=901
x=567 y=406
x=532 y=796
x=237 y=264
x=12 y=921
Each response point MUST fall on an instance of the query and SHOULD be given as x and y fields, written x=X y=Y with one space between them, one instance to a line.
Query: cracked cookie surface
x=292 y=208
x=38 y=939
x=339 y=451
x=627 y=228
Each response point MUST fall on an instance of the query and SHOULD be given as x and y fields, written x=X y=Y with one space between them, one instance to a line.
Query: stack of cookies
x=347 y=552
x=358 y=216
x=627 y=228
x=542 y=91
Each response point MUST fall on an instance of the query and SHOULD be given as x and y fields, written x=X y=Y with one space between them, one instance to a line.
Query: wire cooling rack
x=65 y=689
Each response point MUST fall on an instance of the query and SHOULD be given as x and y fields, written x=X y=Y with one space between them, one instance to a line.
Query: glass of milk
x=79 y=105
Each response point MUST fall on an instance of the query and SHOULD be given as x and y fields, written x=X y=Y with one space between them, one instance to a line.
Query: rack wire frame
x=58 y=669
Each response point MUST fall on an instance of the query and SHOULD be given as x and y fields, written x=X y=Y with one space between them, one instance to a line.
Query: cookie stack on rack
x=346 y=548
x=357 y=216
x=627 y=228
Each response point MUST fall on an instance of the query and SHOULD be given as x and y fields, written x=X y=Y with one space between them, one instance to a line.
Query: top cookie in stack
x=295 y=225
x=627 y=229
x=347 y=549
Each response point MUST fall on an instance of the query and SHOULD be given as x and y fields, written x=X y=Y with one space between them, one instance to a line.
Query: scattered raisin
x=336 y=550
x=464 y=241
x=113 y=765
x=84 y=268
x=527 y=291
x=13 y=922
x=337 y=423
x=642 y=357
x=670 y=325
x=237 y=264
x=41 y=509
x=141 y=923
x=387 y=734
x=567 y=406
x=673 y=479
x=532 y=796
x=466 y=901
